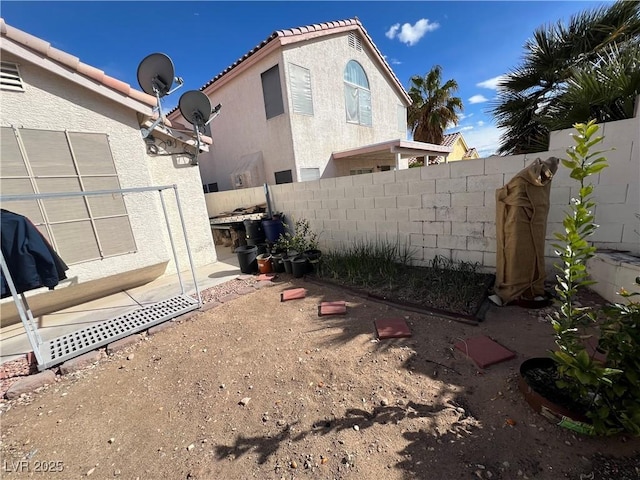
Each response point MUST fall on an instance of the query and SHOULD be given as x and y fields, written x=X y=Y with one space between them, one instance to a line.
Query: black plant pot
x=314 y=259
x=278 y=262
x=287 y=264
x=299 y=266
x=537 y=384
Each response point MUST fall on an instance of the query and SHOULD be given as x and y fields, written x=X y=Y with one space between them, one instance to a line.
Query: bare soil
x=259 y=388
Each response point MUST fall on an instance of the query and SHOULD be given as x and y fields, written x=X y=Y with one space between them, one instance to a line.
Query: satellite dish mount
x=195 y=107
x=155 y=76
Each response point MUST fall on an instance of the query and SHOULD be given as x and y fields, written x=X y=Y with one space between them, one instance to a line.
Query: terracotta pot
x=552 y=411
x=264 y=263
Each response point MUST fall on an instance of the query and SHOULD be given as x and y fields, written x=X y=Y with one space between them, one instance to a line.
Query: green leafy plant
x=603 y=389
x=302 y=239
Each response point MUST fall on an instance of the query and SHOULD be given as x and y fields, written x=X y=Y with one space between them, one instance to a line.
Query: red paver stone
x=266 y=277
x=332 y=308
x=392 y=328
x=484 y=351
x=292 y=294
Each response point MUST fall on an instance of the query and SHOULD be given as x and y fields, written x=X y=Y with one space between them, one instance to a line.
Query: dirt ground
x=259 y=388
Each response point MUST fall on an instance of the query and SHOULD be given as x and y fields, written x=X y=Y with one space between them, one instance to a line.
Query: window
x=385 y=168
x=272 y=93
x=307 y=174
x=357 y=96
x=402 y=119
x=360 y=171
x=10 y=77
x=43 y=161
x=300 y=81
x=210 y=187
x=283 y=177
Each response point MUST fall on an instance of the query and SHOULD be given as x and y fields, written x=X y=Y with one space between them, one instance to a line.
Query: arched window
x=357 y=96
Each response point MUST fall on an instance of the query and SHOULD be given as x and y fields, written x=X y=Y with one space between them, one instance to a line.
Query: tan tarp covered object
x=522 y=206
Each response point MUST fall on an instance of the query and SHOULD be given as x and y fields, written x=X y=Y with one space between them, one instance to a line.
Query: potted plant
x=303 y=241
x=575 y=386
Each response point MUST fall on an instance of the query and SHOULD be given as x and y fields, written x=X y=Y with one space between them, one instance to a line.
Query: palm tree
x=433 y=108
x=558 y=58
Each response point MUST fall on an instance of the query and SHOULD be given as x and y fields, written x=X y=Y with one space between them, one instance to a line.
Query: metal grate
x=76 y=343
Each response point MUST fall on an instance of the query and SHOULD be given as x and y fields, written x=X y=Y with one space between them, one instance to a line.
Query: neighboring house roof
x=299 y=34
x=450 y=139
x=41 y=53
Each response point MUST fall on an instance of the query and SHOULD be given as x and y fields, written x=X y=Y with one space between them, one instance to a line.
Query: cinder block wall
x=450 y=209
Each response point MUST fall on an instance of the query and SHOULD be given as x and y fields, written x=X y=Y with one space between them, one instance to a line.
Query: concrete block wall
x=450 y=209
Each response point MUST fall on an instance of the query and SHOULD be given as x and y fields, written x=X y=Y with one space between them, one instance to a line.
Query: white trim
x=18 y=50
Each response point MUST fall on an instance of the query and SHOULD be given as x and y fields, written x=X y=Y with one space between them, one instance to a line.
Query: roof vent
x=10 y=77
x=355 y=42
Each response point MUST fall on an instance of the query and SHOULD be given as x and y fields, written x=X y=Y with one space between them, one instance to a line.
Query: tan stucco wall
x=316 y=137
x=50 y=102
x=294 y=141
x=242 y=128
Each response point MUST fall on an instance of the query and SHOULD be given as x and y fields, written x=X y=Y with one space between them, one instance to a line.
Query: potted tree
x=576 y=387
x=303 y=243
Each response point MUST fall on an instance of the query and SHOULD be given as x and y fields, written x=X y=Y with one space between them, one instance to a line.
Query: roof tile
x=58 y=56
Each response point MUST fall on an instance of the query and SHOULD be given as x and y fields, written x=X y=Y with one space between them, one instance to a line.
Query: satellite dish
x=195 y=107
x=155 y=74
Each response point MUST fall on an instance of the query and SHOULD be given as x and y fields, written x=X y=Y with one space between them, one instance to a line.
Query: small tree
x=611 y=391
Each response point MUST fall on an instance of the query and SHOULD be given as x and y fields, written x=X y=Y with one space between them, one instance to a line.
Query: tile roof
x=45 y=49
x=450 y=138
x=314 y=30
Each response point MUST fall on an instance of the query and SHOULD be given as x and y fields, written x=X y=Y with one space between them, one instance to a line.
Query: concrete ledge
x=185 y=317
x=80 y=362
x=613 y=271
x=228 y=298
x=30 y=383
x=246 y=290
x=159 y=328
x=122 y=344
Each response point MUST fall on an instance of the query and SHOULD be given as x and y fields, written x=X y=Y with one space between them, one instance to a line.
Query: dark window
x=210 y=187
x=272 y=92
x=283 y=177
x=384 y=168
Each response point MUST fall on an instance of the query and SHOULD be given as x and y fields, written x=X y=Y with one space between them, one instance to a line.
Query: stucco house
x=65 y=126
x=459 y=148
x=306 y=103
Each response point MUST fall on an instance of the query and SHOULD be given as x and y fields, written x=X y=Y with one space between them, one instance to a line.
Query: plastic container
x=247 y=258
x=287 y=264
x=299 y=266
x=272 y=229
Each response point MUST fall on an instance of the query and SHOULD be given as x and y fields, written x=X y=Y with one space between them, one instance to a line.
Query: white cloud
x=464 y=129
x=391 y=33
x=491 y=83
x=485 y=139
x=462 y=116
x=477 y=99
x=411 y=34
x=480 y=123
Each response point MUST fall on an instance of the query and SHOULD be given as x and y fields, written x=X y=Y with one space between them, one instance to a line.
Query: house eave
x=399 y=146
x=45 y=63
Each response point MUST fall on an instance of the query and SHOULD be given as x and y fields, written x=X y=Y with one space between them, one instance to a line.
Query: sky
x=475 y=42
